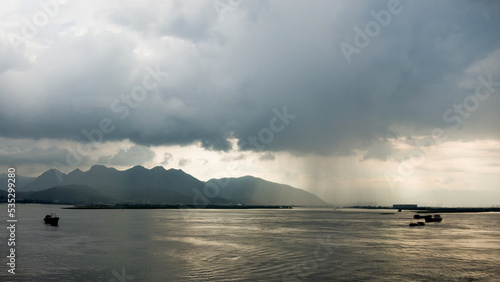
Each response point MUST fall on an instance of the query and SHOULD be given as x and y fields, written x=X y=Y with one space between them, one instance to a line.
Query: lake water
x=250 y=245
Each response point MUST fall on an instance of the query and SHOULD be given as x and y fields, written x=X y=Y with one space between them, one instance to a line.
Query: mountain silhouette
x=68 y=194
x=251 y=190
x=49 y=179
x=160 y=186
x=21 y=181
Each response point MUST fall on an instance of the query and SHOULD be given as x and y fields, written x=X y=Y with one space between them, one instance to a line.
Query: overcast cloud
x=272 y=55
x=217 y=76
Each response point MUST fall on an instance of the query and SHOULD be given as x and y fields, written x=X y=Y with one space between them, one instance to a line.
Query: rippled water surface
x=250 y=245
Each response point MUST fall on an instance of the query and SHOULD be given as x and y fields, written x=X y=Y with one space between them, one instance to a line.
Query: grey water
x=249 y=245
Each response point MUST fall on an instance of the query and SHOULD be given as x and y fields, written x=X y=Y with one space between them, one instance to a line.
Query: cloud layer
x=230 y=70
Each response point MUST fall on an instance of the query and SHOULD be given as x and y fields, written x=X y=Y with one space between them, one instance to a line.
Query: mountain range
x=101 y=184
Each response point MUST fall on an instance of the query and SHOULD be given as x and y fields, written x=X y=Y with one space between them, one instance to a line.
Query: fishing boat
x=435 y=218
x=420 y=223
x=51 y=219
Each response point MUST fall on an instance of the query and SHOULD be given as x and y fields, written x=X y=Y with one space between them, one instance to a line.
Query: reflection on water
x=250 y=245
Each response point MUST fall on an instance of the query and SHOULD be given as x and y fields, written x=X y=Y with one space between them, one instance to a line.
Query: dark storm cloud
x=25 y=152
x=272 y=55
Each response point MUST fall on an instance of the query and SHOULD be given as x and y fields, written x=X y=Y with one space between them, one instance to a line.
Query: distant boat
x=51 y=219
x=420 y=223
x=418 y=216
x=436 y=218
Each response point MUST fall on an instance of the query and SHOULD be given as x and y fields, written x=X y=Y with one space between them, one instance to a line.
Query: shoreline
x=94 y=207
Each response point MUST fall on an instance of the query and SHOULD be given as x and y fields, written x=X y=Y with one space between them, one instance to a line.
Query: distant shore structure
x=405 y=206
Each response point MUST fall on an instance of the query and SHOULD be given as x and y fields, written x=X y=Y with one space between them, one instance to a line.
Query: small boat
x=51 y=219
x=420 y=223
x=436 y=218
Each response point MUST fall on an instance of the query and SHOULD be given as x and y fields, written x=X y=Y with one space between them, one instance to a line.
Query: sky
x=359 y=102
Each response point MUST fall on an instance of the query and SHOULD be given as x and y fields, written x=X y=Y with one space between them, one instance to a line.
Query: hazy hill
x=110 y=180
x=21 y=181
x=69 y=194
x=136 y=184
x=136 y=177
x=252 y=190
x=49 y=179
x=158 y=185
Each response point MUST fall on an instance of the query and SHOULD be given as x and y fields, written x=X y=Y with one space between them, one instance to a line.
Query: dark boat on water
x=51 y=219
x=420 y=223
x=429 y=218
x=436 y=218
